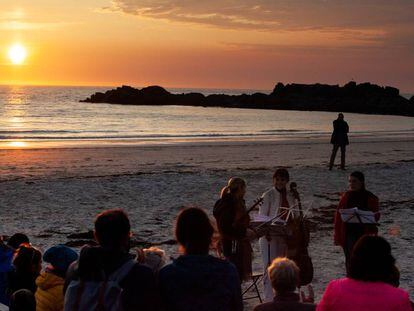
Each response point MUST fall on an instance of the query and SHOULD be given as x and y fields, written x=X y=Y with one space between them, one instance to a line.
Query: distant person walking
x=339 y=139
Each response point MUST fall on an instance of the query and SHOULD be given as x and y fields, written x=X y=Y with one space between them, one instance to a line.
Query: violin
x=256 y=203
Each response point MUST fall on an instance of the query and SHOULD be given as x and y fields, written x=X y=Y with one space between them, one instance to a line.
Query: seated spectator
x=367 y=286
x=49 y=293
x=284 y=277
x=196 y=280
x=22 y=300
x=6 y=258
x=153 y=257
x=27 y=264
x=129 y=285
x=17 y=239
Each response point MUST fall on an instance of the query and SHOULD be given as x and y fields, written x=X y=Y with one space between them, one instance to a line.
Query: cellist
x=273 y=246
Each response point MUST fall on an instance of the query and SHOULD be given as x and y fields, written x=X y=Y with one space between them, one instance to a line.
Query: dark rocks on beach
x=352 y=97
x=87 y=238
x=80 y=243
x=82 y=235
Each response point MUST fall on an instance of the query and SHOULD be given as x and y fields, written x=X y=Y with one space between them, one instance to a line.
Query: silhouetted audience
x=22 y=300
x=18 y=239
x=129 y=285
x=284 y=277
x=153 y=257
x=27 y=263
x=6 y=258
x=49 y=293
x=108 y=277
x=196 y=281
x=367 y=286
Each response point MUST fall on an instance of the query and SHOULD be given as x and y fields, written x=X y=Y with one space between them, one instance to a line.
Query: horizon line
x=180 y=87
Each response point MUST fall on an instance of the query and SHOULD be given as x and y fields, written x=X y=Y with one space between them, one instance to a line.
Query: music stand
x=357 y=216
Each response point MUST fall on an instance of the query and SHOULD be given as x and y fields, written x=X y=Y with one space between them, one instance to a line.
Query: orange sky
x=223 y=44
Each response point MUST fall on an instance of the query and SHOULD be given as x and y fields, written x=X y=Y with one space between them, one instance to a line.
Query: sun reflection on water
x=17 y=144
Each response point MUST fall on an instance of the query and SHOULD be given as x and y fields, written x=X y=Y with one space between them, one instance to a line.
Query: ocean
x=32 y=116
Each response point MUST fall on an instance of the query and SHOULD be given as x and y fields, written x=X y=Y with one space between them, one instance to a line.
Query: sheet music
x=357 y=216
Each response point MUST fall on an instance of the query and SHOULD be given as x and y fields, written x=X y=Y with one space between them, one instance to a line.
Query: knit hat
x=60 y=257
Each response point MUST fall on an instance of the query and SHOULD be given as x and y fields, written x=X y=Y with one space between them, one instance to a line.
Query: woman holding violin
x=233 y=222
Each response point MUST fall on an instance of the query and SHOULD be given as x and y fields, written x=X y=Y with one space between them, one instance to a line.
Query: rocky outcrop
x=352 y=97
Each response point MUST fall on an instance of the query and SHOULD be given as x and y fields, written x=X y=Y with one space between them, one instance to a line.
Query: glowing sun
x=17 y=54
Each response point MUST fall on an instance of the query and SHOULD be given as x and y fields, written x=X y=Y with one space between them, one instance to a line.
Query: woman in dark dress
x=347 y=234
x=233 y=224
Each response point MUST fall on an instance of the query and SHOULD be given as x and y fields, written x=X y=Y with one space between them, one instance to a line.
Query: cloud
x=18 y=20
x=270 y=15
x=19 y=25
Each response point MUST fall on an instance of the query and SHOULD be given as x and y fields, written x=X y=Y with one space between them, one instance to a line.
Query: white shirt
x=272 y=200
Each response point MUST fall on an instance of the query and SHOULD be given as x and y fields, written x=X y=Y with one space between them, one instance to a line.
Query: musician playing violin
x=233 y=224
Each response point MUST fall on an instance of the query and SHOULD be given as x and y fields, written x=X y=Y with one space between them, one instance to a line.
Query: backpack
x=98 y=295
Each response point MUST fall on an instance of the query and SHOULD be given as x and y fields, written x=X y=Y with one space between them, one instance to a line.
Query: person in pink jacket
x=368 y=286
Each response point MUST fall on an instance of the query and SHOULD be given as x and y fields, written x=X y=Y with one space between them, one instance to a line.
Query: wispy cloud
x=19 y=25
x=18 y=20
x=350 y=24
x=274 y=14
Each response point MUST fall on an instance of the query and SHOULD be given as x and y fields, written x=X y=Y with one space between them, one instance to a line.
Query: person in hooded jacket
x=49 y=293
x=197 y=281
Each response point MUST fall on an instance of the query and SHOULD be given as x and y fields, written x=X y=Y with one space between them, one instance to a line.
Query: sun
x=17 y=54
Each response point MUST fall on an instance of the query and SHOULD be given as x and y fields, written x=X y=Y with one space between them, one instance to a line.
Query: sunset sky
x=223 y=44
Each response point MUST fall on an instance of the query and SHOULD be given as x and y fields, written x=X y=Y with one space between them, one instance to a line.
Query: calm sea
x=30 y=115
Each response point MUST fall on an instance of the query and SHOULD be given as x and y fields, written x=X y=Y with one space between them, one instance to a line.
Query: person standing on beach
x=347 y=234
x=233 y=224
x=339 y=139
x=273 y=246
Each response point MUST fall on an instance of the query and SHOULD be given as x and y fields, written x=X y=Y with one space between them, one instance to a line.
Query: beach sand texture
x=51 y=193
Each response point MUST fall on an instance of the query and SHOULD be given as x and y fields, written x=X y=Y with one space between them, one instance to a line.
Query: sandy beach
x=50 y=193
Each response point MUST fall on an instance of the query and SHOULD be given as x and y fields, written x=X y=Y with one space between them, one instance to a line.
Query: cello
x=300 y=241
